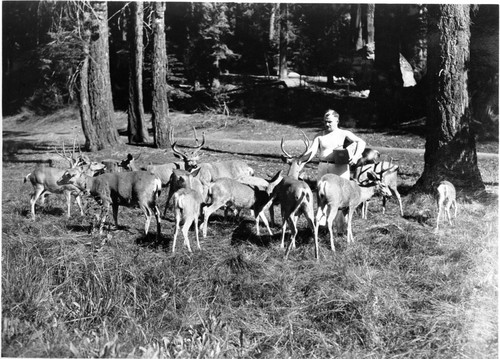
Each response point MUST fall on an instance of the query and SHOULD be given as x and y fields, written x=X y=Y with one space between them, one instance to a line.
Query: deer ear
x=276 y=176
x=285 y=159
x=195 y=171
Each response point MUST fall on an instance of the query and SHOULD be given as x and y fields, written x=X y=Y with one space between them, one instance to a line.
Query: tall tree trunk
x=370 y=24
x=83 y=97
x=357 y=26
x=387 y=82
x=450 y=148
x=96 y=102
x=160 y=119
x=414 y=39
x=283 y=68
x=137 y=130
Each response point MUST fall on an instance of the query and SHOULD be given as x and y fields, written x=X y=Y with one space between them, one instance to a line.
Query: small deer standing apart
x=337 y=193
x=446 y=197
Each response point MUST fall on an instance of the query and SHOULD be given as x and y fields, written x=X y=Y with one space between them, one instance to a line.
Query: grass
x=400 y=290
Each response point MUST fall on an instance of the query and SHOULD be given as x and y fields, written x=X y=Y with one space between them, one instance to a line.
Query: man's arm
x=360 y=147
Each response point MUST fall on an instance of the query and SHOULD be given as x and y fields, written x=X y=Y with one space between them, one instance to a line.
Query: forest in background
x=209 y=43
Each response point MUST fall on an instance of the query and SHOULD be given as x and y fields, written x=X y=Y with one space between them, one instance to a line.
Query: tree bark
x=283 y=48
x=357 y=26
x=96 y=103
x=83 y=97
x=137 y=129
x=160 y=119
x=450 y=148
x=370 y=24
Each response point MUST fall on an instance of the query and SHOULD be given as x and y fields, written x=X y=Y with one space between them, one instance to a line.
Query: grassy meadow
x=400 y=291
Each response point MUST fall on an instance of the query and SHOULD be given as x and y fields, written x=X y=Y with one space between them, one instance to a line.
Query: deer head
x=73 y=160
x=190 y=158
x=296 y=162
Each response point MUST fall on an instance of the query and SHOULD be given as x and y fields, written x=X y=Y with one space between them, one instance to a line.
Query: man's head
x=331 y=120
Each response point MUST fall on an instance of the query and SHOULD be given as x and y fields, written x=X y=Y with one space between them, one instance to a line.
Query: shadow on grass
x=152 y=241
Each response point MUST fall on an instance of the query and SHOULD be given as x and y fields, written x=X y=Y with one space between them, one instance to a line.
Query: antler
x=287 y=155
x=198 y=147
x=306 y=143
x=71 y=159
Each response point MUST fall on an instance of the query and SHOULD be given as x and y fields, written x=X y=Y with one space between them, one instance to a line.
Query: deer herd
x=197 y=190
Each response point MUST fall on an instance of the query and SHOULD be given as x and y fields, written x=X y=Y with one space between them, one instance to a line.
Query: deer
x=180 y=179
x=389 y=174
x=446 y=197
x=336 y=193
x=209 y=172
x=294 y=196
x=119 y=189
x=187 y=201
x=44 y=181
x=232 y=193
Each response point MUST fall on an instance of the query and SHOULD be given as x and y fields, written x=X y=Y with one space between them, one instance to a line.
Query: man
x=329 y=147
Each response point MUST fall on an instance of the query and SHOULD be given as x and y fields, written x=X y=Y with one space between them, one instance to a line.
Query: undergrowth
x=400 y=290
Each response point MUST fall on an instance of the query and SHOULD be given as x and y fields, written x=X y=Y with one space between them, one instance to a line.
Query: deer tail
x=27 y=178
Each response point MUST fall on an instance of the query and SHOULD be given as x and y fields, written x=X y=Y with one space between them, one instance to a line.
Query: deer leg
x=310 y=219
x=257 y=220
x=398 y=196
x=455 y=207
x=115 y=213
x=147 y=213
x=384 y=202
x=266 y=222
x=293 y=228
x=79 y=203
x=177 y=226
x=350 y=237
x=207 y=211
x=332 y=214
x=447 y=209
x=34 y=198
x=364 y=210
x=68 y=204
x=271 y=214
x=440 y=206
x=102 y=220
x=156 y=212
x=185 y=232
x=196 y=231
x=283 y=231
x=169 y=196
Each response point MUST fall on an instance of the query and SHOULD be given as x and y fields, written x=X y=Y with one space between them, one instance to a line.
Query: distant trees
x=450 y=149
x=203 y=40
x=137 y=130
x=159 y=118
x=96 y=103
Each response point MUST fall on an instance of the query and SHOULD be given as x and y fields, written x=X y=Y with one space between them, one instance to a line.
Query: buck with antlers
x=294 y=196
x=44 y=180
x=209 y=172
x=336 y=193
x=388 y=172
